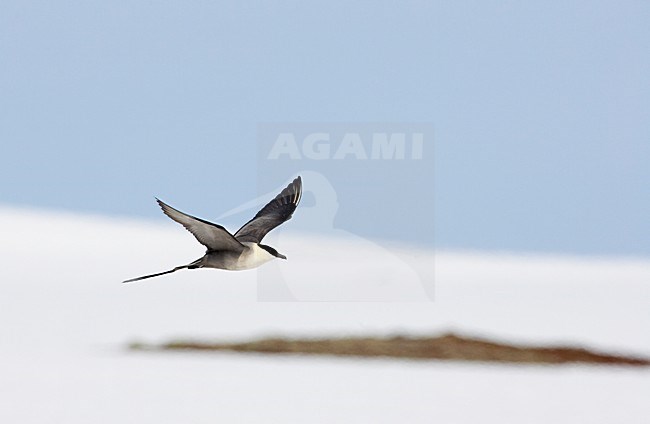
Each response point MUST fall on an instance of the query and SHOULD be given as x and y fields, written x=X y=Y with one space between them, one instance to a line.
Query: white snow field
x=65 y=320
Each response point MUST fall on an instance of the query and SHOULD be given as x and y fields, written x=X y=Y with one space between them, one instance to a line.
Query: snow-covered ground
x=65 y=319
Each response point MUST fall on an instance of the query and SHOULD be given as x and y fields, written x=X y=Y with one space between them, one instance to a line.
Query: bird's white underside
x=252 y=257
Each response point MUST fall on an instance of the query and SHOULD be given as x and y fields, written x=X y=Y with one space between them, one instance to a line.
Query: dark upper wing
x=273 y=214
x=212 y=236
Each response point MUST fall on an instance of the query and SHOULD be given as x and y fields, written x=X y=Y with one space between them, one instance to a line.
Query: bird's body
x=251 y=257
x=244 y=249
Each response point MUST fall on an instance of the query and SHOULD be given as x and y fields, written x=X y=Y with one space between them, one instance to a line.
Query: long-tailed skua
x=244 y=249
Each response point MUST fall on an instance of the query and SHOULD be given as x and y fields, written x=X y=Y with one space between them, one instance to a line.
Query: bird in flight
x=243 y=250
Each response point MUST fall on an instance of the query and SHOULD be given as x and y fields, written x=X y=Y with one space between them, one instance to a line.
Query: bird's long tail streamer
x=156 y=274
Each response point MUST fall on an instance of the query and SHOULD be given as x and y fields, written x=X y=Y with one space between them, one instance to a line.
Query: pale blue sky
x=540 y=110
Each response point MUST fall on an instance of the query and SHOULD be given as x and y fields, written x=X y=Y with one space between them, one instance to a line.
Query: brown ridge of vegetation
x=447 y=347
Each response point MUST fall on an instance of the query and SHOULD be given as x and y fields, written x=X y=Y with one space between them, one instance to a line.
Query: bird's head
x=272 y=251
